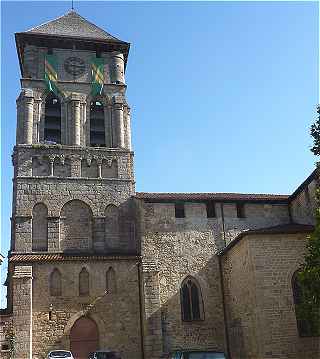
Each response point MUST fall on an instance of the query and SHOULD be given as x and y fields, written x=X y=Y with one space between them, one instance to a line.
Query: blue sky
x=222 y=93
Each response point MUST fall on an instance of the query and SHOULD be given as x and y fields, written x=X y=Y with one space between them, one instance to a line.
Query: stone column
x=53 y=234
x=118 y=122
x=77 y=123
x=83 y=134
x=22 y=311
x=117 y=67
x=23 y=233
x=129 y=145
x=107 y=125
x=20 y=120
x=36 y=127
x=75 y=166
x=28 y=119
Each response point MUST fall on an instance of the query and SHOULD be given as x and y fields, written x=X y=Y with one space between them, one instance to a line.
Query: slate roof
x=162 y=197
x=72 y=25
x=289 y=228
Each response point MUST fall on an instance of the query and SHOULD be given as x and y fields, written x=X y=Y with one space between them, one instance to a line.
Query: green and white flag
x=50 y=73
x=97 y=72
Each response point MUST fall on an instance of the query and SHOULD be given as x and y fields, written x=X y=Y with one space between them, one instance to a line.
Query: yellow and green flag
x=50 y=73
x=97 y=71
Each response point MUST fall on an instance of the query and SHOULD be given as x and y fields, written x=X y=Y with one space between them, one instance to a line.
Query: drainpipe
x=141 y=310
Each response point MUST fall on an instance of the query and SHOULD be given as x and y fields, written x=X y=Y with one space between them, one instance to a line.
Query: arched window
x=111 y=285
x=307 y=321
x=52 y=122
x=76 y=227
x=40 y=227
x=111 y=226
x=55 y=283
x=84 y=282
x=97 y=127
x=191 y=300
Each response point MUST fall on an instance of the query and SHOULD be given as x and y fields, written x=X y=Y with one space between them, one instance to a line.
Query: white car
x=60 y=354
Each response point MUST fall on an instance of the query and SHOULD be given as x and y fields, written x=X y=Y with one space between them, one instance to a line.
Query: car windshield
x=60 y=354
x=106 y=355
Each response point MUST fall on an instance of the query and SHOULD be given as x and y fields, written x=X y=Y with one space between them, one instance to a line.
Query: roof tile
x=72 y=25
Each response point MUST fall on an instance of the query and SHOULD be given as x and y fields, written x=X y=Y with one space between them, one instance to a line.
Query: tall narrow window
x=179 y=210
x=97 y=128
x=84 y=282
x=191 y=300
x=55 y=283
x=240 y=210
x=111 y=285
x=211 y=209
x=40 y=227
x=52 y=124
x=307 y=321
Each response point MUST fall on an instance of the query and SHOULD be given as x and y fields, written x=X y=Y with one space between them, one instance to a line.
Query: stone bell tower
x=74 y=234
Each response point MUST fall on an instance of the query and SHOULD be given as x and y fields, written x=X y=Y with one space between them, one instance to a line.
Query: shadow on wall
x=184 y=311
x=77 y=230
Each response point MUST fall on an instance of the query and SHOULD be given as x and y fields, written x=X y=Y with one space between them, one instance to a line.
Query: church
x=93 y=264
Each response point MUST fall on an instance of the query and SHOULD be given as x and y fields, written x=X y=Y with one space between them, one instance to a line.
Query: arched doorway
x=84 y=338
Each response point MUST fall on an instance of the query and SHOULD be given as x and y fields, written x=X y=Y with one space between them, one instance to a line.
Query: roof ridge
x=72 y=24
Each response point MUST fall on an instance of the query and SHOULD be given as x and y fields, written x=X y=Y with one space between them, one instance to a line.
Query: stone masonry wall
x=265 y=308
x=116 y=314
x=173 y=249
x=303 y=205
x=240 y=301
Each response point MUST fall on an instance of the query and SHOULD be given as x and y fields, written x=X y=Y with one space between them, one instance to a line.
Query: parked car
x=60 y=354
x=104 y=354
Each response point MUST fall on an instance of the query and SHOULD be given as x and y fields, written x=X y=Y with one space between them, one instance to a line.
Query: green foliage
x=315 y=133
x=308 y=308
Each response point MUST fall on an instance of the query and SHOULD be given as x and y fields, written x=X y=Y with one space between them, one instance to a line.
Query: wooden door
x=84 y=338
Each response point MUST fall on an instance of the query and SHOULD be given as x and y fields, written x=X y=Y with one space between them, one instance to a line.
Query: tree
x=309 y=275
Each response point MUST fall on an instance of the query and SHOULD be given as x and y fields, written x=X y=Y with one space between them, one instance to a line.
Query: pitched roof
x=72 y=25
x=289 y=228
x=162 y=197
x=58 y=257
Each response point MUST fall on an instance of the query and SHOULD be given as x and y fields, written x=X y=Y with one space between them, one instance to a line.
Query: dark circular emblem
x=75 y=66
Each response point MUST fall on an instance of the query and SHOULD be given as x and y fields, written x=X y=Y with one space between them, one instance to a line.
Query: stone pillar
x=77 y=123
x=22 y=311
x=53 y=234
x=83 y=132
x=118 y=122
x=129 y=145
x=107 y=126
x=51 y=159
x=23 y=233
x=20 y=120
x=28 y=119
x=36 y=127
x=117 y=67
x=98 y=233
x=75 y=166
x=152 y=307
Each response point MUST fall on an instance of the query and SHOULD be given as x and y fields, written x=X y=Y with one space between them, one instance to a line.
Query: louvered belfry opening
x=52 y=124
x=97 y=127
